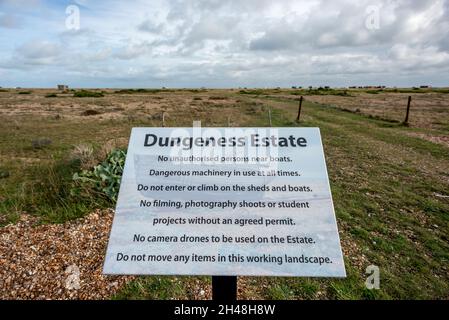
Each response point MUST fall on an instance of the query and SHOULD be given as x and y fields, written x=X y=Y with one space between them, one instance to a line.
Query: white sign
x=225 y=201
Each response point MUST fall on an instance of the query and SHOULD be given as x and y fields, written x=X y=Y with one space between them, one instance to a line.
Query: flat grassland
x=390 y=182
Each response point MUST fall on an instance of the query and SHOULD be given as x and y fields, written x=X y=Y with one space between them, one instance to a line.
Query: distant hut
x=63 y=87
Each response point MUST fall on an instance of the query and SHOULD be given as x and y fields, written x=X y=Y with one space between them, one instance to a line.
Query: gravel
x=62 y=261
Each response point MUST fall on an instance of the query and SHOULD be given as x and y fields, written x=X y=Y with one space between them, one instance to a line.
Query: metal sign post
x=224 y=288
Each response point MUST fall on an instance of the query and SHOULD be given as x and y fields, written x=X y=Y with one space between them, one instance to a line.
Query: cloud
x=9 y=21
x=133 y=51
x=39 y=50
x=21 y=3
x=233 y=43
x=150 y=26
x=211 y=28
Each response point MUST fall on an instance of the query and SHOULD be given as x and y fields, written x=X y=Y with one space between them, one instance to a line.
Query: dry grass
x=176 y=105
x=428 y=110
x=390 y=182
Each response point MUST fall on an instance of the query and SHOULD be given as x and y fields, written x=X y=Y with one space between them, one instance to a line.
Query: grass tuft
x=88 y=94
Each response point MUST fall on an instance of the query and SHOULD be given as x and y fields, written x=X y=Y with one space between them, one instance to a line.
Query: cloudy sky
x=217 y=43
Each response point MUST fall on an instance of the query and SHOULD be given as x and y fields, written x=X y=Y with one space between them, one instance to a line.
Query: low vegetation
x=88 y=94
x=298 y=92
x=103 y=179
x=90 y=112
x=134 y=91
x=389 y=182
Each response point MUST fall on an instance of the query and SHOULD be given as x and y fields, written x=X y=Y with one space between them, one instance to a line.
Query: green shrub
x=4 y=173
x=41 y=143
x=88 y=94
x=90 y=112
x=256 y=92
x=217 y=98
x=132 y=91
x=51 y=95
x=104 y=178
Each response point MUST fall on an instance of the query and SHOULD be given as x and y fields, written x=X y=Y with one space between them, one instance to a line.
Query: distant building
x=424 y=87
x=63 y=87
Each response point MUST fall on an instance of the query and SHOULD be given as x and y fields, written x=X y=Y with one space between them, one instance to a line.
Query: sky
x=222 y=44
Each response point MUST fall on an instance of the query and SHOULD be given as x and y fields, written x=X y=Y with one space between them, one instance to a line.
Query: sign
x=225 y=201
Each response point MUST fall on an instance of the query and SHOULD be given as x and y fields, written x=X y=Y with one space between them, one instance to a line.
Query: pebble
x=34 y=258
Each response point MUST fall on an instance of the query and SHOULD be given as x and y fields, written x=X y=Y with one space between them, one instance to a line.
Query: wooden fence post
x=299 y=109
x=408 y=110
